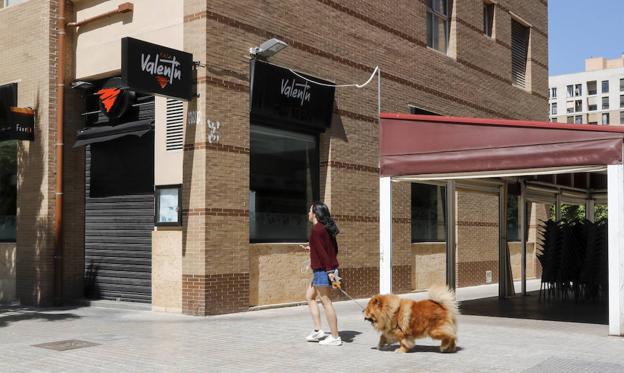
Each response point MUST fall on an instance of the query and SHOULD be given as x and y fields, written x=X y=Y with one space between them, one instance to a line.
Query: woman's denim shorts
x=320 y=278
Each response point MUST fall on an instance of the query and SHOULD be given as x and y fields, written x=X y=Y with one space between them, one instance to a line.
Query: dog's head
x=374 y=311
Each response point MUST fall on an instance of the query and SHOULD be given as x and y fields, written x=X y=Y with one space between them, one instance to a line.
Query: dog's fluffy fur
x=403 y=320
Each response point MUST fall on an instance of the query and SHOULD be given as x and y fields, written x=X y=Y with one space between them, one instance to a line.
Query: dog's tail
x=445 y=297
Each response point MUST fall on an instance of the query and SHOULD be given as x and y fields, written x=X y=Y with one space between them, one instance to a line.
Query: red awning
x=425 y=144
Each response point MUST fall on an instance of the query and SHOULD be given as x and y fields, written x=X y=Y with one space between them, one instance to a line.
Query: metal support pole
x=522 y=219
x=558 y=206
x=615 y=185
x=502 y=243
x=450 y=235
x=385 y=235
x=590 y=209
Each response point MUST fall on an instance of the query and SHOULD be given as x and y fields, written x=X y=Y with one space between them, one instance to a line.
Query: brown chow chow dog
x=404 y=320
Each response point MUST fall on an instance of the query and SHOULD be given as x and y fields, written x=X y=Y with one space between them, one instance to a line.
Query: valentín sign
x=153 y=68
x=298 y=91
x=281 y=98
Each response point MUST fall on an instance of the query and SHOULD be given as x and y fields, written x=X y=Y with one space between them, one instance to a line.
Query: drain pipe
x=58 y=206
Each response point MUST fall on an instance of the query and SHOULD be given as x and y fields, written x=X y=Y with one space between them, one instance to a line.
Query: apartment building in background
x=594 y=96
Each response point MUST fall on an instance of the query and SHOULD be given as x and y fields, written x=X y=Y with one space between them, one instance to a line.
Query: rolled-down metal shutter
x=118 y=245
x=119 y=217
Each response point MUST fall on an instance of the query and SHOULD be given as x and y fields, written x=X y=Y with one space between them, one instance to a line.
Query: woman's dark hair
x=321 y=211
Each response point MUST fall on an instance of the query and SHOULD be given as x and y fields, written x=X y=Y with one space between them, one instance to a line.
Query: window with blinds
x=175 y=125
x=519 y=53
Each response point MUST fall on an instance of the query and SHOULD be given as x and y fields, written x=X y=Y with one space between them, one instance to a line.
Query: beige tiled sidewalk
x=272 y=341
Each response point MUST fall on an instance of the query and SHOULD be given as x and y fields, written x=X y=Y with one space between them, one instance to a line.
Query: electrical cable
x=338 y=85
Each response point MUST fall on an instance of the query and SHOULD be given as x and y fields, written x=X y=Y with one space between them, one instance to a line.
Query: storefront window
x=428 y=213
x=284 y=170
x=8 y=190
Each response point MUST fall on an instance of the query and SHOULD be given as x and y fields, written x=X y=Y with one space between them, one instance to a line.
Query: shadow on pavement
x=536 y=308
x=14 y=314
x=417 y=348
x=348 y=336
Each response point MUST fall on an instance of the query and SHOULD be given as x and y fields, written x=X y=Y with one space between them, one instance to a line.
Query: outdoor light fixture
x=81 y=84
x=267 y=49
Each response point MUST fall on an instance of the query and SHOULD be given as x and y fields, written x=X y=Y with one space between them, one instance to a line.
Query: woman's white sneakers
x=316 y=336
x=324 y=339
x=331 y=341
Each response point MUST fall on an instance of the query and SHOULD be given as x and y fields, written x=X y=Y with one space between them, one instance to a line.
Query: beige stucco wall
x=278 y=273
x=601 y=63
x=7 y=272
x=428 y=264
x=98 y=47
x=167 y=270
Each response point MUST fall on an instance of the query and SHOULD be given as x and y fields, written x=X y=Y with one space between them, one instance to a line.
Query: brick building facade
x=210 y=264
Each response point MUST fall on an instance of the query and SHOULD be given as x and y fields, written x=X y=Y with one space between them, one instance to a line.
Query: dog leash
x=348 y=296
x=336 y=285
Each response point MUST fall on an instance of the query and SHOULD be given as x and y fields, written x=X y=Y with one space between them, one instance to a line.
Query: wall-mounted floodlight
x=268 y=48
x=81 y=84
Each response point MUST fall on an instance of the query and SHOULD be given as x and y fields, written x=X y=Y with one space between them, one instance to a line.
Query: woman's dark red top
x=323 y=249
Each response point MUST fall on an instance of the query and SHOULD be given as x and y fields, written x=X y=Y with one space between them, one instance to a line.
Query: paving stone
x=273 y=340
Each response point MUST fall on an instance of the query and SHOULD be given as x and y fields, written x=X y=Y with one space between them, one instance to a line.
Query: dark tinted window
x=428 y=213
x=8 y=189
x=283 y=184
x=488 y=19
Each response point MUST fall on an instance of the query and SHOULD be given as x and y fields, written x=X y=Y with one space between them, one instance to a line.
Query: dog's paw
x=400 y=350
x=448 y=350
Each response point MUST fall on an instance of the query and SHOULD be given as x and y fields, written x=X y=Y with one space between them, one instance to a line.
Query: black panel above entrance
x=91 y=135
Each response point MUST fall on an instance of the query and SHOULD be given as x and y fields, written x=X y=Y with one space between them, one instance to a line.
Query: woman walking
x=323 y=250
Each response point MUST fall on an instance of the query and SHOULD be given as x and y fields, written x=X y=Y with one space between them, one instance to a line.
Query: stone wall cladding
x=342 y=41
x=215 y=294
x=360 y=282
x=473 y=273
x=477 y=237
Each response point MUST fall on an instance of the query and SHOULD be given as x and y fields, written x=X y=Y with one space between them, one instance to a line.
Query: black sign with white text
x=15 y=123
x=153 y=68
x=278 y=96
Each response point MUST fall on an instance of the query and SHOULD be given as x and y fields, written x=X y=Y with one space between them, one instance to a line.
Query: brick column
x=215 y=264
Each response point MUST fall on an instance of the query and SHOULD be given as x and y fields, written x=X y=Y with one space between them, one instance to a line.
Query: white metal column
x=502 y=243
x=615 y=190
x=451 y=249
x=522 y=220
x=385 y=235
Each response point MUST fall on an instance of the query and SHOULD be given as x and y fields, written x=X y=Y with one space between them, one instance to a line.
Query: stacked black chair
x=574 y=259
